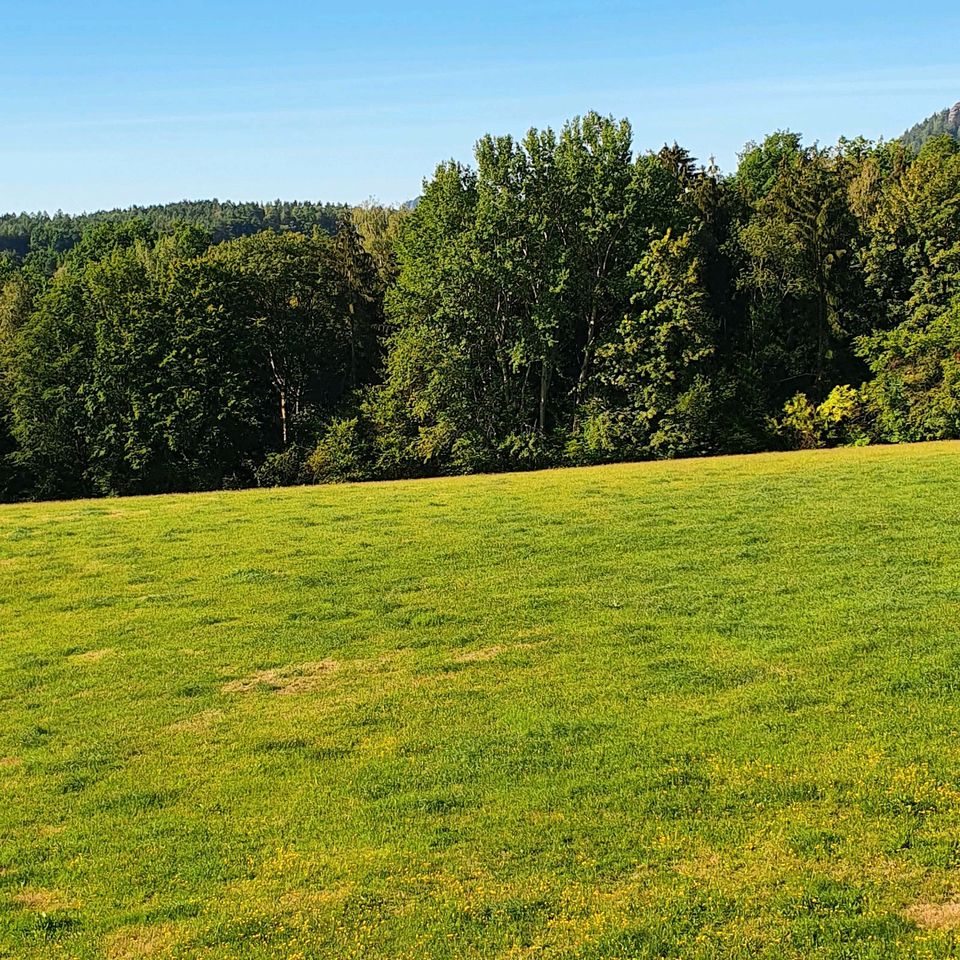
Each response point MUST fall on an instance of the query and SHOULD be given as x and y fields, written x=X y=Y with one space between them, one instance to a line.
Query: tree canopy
x=565 y=299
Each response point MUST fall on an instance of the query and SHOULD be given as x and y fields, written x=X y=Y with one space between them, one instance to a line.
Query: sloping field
x=691 y=709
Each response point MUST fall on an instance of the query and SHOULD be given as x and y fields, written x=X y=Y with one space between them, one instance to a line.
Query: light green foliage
x=692 y=709
x=915 y=393
x=841 y=407
x=379 y=229
x=425 y=395
x=800 y=422
x=761 y=164
x=599 y=436
x=913 y=258
x=341 y=455
x=839 y=419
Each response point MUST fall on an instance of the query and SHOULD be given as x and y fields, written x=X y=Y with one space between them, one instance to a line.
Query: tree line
x=562 y=300
x=944 y=122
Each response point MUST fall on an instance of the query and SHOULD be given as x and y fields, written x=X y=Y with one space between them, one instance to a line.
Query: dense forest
x=945 y=122
x=562 y=300
x=39 y=241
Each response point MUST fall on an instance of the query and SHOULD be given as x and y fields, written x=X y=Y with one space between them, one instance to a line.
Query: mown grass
x=689 y=709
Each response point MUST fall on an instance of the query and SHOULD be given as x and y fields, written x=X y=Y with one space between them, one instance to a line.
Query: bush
x=597 y=438
x=285 y=468
x=342 y=455
x=840 y=419
x=915 y=393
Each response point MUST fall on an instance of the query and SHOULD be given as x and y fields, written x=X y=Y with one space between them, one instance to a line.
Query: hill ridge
x=946 y=121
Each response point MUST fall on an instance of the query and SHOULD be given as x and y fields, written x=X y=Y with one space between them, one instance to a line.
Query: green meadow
x=703 y=708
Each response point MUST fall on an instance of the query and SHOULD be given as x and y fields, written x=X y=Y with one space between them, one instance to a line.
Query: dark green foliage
x=944 y=122
x=512 y=279
x=343 y=453
x=915 y=392
x=659 y=364
x=803 y=284
x=41 y=240
x=154 y=368
x=563 y=301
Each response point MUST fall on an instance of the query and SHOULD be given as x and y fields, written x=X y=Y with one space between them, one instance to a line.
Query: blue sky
x=107 y=104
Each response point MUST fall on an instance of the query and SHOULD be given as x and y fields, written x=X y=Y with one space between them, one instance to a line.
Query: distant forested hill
x=946 y=121
x=43 y=238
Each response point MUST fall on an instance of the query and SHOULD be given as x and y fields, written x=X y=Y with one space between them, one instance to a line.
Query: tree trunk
x=584 y=367
x=353 y=347
x=280 y=383
x=545 y=373
x=821 y=325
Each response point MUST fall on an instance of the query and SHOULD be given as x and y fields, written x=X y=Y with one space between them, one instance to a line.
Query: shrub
x=284 y=468
x=342 y=455
x=840 y=419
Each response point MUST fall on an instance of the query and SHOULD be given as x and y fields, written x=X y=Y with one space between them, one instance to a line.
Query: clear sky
x=107 y=103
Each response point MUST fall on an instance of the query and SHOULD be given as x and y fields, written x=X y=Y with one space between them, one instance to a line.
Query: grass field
x=689 y=709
